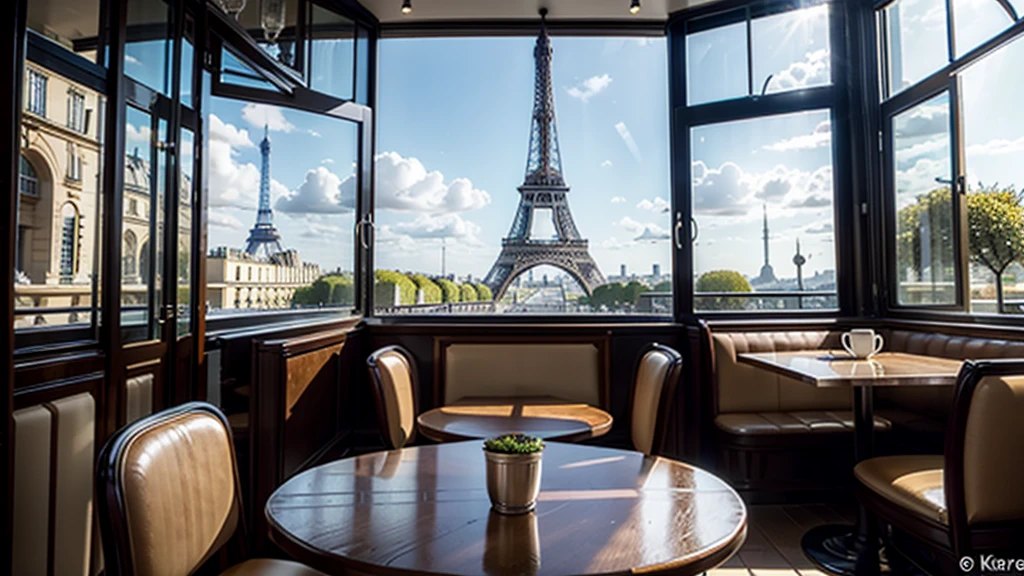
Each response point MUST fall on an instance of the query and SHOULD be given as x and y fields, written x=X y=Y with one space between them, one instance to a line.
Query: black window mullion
x=958 y=188
x=950 y=31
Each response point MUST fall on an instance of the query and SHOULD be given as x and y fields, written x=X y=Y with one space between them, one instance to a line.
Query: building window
x=74 y=171
x=462 y=228
x=36 y=92
x=68 y=243
x=28 y=180
x=76 y=111
x=129 y=256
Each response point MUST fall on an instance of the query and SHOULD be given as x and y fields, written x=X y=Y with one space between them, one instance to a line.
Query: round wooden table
x=424 y=510
x=544 y=416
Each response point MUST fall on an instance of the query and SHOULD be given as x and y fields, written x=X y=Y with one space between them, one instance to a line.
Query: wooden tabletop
x=424 y=510
x=833 y=368
x=544 y=416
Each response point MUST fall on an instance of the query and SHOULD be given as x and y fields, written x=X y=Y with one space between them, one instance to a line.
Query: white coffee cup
x=862 y=342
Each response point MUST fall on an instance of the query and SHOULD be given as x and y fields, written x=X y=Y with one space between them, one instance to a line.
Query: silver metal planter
x=513 y=481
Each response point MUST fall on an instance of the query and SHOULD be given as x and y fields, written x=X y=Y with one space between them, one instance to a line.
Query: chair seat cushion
x=800 y=422
x=912 y=482
x=270 y=567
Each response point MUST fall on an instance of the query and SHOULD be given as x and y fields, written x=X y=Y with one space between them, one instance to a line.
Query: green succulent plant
x=514 y=444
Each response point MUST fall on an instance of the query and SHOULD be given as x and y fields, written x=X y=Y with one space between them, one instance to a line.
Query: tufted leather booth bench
x=775 y=436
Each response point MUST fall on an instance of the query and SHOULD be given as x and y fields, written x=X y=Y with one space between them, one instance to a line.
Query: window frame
x=833 y=98
x=944 y=80
x=526 y=28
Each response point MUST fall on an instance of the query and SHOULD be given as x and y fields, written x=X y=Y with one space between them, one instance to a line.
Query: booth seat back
x=744 y=388
x=53 y=495
x=935 y=401
x=571 y=371
x=992 y=444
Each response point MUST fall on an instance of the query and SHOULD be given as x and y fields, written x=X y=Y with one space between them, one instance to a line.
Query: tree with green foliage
x=932 y=211
x=449 y=290
x=615 y=296
x=431 y=291
x=330 y=289
x=721 y=281
x=467 y=293
x=483 y=292
x=386 y=280
x=663 y=286
x=995 y=221
x=995 y=225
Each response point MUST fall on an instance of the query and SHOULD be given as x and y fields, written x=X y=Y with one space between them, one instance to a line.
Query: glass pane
x=147 y=50
x=924 y=204
x=187 y=55
x=57 y=246
x=762 y=205
x=72 y=24
x=994 y=147
x=281 y=189
x=141 y=225
x=916 y=39
x=463 y=229
x=184 y=263
x=975 y=21
x=716 y=64
x=791 y=50
x=331 y=53
x=234 y=71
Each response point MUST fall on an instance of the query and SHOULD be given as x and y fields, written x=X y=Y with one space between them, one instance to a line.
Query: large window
x=762 y=204
x=462 y=228
x=954 y=154
x=282 y=189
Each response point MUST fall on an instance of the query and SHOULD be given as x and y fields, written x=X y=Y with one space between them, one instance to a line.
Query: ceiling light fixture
x=634 y=7
x=406 y=7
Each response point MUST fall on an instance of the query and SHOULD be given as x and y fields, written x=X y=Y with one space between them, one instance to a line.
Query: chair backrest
x=984 y=470
x=394 y=377
x=654 y=386
x=168 y=492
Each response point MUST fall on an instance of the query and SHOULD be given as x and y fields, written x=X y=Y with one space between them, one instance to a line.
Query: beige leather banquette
x=567 y=370
x=751 y=401
x=393 y=374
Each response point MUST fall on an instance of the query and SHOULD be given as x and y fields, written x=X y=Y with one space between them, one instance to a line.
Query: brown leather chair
x=394 y=377
x=169 y=500
x=654 y=388
x=971 y=500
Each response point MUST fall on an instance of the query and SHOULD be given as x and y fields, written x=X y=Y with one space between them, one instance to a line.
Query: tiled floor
x=773 y=540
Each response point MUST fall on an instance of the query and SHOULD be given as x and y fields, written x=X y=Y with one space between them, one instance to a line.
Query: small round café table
x=425 y=510
x=542 y=416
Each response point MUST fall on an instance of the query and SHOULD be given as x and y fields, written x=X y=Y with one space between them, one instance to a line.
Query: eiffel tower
x=264 y=240
x=543 y=188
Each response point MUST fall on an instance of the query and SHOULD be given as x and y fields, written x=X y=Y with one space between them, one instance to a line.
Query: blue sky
x=453 y=130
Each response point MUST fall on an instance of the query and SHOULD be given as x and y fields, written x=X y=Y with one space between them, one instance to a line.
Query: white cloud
x=920 y=178
x=627 y=138
x=618 y=200
x=138 y=134
x=997 y=147
x=227 y=133
x=820 y=137
x=820 y=228
x=404 y=184
x=659 y=204
x=645 y=231
x=641 y=42
x=606 y=164
x=217 y=218
x=132 y=60
x=590 y=87
x=327 y=161
x=440 y=226
x=924 y=120
x=814 y=70
x=232 y=183
x=260 y=115
x=729 y=191
x=321 y=193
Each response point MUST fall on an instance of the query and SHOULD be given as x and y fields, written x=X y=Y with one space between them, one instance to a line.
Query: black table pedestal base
x=836 y=548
